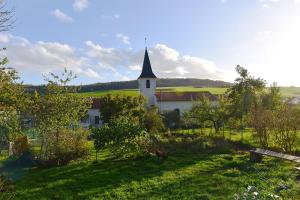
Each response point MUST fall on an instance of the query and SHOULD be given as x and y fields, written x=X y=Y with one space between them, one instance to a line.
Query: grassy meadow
x=286 y=91
x=216 y=170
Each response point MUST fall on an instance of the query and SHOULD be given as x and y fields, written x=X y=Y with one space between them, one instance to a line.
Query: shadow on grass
x=185 y=174
x=85 y=180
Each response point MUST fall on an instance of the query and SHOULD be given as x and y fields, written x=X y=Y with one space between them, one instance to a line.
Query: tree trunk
x=223 y=132
x=10 y=149
x=216 y=126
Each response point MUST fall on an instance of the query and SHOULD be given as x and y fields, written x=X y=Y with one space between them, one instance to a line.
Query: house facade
x=93 y=115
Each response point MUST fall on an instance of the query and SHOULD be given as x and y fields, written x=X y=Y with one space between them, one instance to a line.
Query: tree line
x=174 y=82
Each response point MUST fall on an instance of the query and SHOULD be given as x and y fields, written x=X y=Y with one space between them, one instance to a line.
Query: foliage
x=20 y=145
x=72 y=145
x=273 y=99
x=6 y=188
x=57 y=111
x=189 y=120
x=215 y=112
x=113 y=107
x=12 y=101
x=262 y=117
x=120 y=135
x=262 y=122
x=286 y=125
x=244 y=93
x=172 y=119
x=153 y=121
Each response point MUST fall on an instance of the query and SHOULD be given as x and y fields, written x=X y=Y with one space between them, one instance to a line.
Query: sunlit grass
x=181 y=176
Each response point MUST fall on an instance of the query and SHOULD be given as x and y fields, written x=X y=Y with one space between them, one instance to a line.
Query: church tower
x=147 y=81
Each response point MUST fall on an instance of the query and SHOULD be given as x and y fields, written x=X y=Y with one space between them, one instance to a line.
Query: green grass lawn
x=286 y=91
x=188 y=173
x=181 y=176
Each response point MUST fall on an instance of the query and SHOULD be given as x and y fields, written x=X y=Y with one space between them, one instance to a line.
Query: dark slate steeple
x=147 y=69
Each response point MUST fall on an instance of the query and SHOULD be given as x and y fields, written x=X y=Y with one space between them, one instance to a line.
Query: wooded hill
x=174 y=82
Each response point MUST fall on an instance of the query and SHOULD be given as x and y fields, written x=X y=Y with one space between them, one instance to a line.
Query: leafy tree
x=172 y=119
x=12 y=101
x=216 y=113
x=114 y=106
x=153 y=121
x=273 y=99
x=57 y=111
x=261 y=120
x=102 y=137
x=120 y=135
x=244 y=94
x=286 y=125
x=189 y=120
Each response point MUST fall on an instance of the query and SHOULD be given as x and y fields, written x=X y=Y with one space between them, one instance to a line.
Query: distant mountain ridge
x=168 y=82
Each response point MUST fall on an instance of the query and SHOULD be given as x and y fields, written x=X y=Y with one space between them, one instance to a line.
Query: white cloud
x=44 y=57
x=166 y=62
x=61 y=16
x=5 y=38
x=123 y=38
x=80 y=5
x=91 y=73
x=108 y=58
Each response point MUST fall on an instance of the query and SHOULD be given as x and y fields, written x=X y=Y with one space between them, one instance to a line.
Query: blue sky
x=104 y=40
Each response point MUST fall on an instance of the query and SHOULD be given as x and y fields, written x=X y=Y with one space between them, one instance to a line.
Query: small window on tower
x=147 y=83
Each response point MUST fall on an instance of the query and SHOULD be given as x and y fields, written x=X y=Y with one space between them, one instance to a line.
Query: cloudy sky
x=103 y=40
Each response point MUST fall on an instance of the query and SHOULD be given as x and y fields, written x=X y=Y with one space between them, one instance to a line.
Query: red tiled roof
x=184 y=96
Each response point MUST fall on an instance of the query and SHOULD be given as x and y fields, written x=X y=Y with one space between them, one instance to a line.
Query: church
x=165 y=101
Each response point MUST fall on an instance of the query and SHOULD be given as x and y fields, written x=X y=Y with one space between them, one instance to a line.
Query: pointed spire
x=147 y=69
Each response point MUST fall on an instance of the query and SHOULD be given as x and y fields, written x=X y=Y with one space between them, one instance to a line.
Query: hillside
x=123 y=85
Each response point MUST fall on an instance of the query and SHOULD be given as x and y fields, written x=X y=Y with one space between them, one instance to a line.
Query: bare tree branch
x=7 y=19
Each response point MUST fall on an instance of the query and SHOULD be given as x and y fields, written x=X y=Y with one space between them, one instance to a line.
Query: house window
x=147 y=83
x=97 y=120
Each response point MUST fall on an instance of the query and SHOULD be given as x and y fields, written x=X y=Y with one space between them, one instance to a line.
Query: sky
x=104 y=40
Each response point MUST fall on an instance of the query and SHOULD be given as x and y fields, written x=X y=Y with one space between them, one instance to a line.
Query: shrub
x=6 y=188
x=20 y=145
x=153 y=121
x=286 y=126
x=65 y=146
x=172 y=119
x=123 y=135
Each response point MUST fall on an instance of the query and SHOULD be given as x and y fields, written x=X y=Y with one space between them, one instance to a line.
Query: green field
x=190 y=172
x=286 y=91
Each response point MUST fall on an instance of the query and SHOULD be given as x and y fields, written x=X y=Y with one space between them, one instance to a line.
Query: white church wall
x=172 y=105
x=181 y=105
